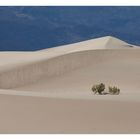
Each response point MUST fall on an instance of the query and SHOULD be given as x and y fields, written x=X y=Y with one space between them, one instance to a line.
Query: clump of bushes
x=100 y=89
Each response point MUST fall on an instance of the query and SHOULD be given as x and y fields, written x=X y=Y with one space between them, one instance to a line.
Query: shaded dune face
x=84 y=68
x=50 y=68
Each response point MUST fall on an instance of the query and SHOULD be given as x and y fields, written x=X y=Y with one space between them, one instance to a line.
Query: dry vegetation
x=100 y=89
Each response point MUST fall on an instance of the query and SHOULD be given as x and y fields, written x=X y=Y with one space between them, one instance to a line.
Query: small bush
x=98 y=88
x=114 y=90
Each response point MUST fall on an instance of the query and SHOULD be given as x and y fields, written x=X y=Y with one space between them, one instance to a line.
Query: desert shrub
x=113 y=90
x=98 y=88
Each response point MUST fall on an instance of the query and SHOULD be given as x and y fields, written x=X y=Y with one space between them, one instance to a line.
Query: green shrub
x=98 y=88
x=113 y=90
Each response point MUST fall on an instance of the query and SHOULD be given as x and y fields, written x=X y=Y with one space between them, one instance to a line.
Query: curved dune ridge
x=51 y=88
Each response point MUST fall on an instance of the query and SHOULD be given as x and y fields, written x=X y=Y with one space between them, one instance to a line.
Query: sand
x=49 y=91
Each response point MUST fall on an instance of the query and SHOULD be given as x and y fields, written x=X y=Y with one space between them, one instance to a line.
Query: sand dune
x=49 y=91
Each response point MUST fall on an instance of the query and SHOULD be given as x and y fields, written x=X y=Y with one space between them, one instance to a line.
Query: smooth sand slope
x=49 y=91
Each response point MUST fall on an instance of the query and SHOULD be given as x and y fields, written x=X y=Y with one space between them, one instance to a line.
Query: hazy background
x=33 y=28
